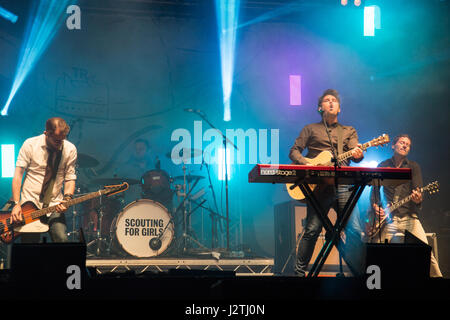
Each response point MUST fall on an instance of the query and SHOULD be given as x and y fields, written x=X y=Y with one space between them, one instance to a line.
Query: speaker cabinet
x=48 y=266
x=290 y=218
x=404 y=263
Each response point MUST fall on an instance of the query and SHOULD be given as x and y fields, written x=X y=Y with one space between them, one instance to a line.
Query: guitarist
x=405 y=217
x=48 y=163
x=314 y=137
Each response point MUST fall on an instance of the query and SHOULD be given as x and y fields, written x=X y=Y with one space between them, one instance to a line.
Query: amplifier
x=289 y=219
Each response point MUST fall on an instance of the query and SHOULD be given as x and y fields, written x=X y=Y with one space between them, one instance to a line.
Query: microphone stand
x=336 y=165
x=225 y=141
x=213 y=218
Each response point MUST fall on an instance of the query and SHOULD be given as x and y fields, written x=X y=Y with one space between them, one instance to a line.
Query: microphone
x=155 y=243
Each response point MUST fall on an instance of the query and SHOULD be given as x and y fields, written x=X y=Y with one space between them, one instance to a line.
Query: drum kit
x=149 y=226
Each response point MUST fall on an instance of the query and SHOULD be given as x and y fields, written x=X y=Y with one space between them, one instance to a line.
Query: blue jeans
x=57 y=229
x=326 y=196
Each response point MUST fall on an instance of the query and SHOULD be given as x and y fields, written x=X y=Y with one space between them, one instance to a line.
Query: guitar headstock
x=114 y=189
x=381 y=140
x=432 y=187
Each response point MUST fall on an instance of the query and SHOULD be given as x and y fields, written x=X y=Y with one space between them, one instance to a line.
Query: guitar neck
x=403 y=201
x=344 y=156
x=39 y=213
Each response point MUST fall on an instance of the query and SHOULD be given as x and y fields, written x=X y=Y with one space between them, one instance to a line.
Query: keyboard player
x=315 y=139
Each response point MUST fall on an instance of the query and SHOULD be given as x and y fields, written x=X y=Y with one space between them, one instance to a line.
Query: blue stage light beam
x=8 y=15
x=221 y=164
x=49 y=16
x=227 y=12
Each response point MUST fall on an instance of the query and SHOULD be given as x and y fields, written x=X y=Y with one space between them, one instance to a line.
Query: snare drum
x=139 y=223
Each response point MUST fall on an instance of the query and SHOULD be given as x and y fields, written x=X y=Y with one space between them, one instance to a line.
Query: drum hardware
x=156 y=243
x=98 y=240
x=74 y=223
x=80 y=191
x=199 y=194
x=225 y=142
x=215 y=217
x=185 y=153
x=185 y=205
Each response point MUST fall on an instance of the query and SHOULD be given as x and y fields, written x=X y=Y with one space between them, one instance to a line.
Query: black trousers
x=328 y=198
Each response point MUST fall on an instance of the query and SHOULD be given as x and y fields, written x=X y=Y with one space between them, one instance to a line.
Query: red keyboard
x=290 y=173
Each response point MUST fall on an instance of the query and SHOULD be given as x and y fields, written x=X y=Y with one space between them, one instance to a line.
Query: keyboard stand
x=333 y=230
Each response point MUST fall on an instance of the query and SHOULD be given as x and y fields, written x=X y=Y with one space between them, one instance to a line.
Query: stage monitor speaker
x=289 y=220
x=400 y=262
x=48 y=265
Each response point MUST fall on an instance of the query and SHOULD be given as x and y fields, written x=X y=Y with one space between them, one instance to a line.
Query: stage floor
x=185 y=280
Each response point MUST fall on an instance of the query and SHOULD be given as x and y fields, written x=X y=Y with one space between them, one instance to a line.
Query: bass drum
x=139 y=223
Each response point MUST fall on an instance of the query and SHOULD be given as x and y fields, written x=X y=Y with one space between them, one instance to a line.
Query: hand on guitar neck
x=416 y=196
x=17 y=216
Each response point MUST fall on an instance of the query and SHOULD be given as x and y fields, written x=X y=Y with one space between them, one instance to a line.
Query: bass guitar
x=31 y=214
x=372 y=229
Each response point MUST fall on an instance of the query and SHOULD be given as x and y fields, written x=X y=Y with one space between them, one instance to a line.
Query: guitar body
x=322 y=159
x=325 y=159
x=28 y=225
x=373 y=228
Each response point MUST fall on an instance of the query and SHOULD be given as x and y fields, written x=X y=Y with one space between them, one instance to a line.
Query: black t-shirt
x=393 y=194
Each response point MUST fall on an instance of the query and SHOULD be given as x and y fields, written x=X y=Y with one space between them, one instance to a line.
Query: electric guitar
x=31 y=214
x=325 y=159
x=372 y=229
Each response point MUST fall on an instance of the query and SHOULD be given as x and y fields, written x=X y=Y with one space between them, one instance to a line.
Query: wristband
x=68 y=197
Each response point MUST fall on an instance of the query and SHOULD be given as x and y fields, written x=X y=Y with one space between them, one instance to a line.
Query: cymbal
x=85 y=161
x=189 y=178
x=189 y=153
x=113 y=181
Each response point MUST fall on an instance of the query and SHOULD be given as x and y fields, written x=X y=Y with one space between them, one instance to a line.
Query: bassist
x=48 y=163
x=406 y=216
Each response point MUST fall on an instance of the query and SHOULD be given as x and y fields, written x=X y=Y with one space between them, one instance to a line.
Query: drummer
x=140 y=161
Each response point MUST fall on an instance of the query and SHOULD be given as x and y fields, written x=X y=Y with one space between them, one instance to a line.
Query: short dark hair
x=402 y=135
x=140 y=140
x=327 y=92
x=53 y=123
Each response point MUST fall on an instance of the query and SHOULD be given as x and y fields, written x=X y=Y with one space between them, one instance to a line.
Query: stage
x=177 y=128
x=181 y=280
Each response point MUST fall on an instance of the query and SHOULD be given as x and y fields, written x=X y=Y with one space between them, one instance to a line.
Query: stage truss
x=241 y=267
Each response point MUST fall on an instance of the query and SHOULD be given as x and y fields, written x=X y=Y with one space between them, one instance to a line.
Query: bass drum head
x=140 y=222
